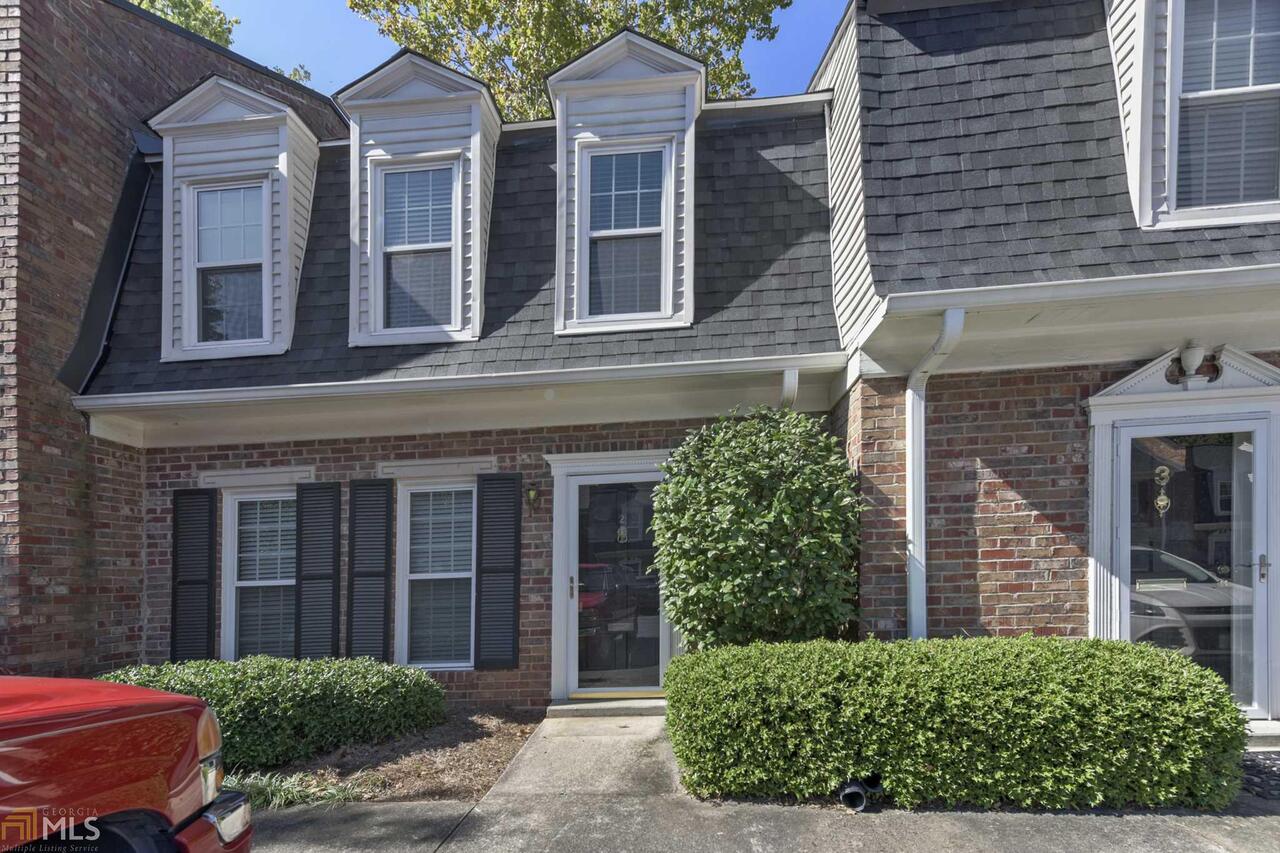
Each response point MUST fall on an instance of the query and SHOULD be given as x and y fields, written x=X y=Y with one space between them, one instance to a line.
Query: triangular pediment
x=626 y=56
x=409 y=76
x=215 y=101
x=1229 y=369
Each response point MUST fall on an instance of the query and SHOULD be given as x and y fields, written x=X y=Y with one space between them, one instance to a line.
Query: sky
x=337 y=46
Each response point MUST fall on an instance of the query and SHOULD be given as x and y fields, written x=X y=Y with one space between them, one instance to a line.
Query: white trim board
x=436 y=469
x=256 y=477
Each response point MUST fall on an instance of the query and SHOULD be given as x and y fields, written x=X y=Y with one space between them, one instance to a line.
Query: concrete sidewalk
x=610 y=784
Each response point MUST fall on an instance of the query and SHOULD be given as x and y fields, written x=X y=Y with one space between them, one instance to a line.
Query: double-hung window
x=417 y=249
x=229 y=280
x=436 y=564
x=260 y=570
x=1228 y=140
x=625 y=273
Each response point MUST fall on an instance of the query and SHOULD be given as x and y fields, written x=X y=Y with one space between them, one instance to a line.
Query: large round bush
x=756 y=529
x=1030 y=722
x=275 y=710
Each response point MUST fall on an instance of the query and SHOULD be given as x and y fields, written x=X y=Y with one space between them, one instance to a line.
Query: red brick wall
x=1007 y=505
x=344 y=460
x=89 y=73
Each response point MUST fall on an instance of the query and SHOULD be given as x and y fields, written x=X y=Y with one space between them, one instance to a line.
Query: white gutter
x=1071 y=290
x=814 y=362
x=917 y=608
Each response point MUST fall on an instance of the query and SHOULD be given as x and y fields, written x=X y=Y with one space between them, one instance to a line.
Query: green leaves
x=202 y=17
x=513 y=45
x=275 y=710
x=1033 y=722
x=756 y=531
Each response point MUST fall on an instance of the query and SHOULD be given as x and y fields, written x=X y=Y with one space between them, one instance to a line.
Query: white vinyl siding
x=853 y=291
x=1229 y=121
x=265 y=562
x=436 y=560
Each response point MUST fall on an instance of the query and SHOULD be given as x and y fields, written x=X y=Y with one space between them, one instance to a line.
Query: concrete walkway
x=610 y=784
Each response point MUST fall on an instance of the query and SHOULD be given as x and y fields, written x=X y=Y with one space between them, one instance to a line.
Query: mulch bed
x=459 y=759
x=1262 y=774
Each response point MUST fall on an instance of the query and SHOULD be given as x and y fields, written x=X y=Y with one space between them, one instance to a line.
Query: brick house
x=387 y=375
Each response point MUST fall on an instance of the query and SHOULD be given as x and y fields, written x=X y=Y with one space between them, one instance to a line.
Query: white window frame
x=192 y=265
x=378 y=169
x=665 y=317
x=1208 y=215
x=231 y=583
x=405 y=489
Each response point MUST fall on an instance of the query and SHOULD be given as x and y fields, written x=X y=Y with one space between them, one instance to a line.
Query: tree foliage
x=202 y=17
x=298 y=73
x=514 y=44
x=756 y=531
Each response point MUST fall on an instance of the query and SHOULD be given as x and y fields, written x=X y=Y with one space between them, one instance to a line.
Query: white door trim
x=1114 y=418
x=568 y=470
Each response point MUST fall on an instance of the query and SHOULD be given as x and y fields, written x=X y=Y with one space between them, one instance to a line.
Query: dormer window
x=1229 y=104
x=423 y=143
x=419 y=282
x=626 y=117
x=626 y=232
x=239 y=171
x=228 y=280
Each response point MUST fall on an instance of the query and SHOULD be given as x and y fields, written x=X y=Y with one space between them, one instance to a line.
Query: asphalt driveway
x=610 y=784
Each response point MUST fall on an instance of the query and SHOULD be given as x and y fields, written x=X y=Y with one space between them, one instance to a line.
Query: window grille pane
x=440 y=531
x=440 y=621
x=417 y=207
x=1230 y=44
x=266 y=546
x=1229 y=152
x=626 y=191
x=231 y=303
x=229 y=225
x=626 y=275
x=264 y=621
x=419 y=289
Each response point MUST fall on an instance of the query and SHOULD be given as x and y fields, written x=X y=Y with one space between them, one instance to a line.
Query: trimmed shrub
x=274 y=710
x=756 y=532
x=1028 y=722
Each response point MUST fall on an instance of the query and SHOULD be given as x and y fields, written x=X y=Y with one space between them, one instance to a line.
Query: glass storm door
x=617 y=634
x=1193 y=533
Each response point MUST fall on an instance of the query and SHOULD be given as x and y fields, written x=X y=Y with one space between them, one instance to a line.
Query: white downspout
x=917 y=610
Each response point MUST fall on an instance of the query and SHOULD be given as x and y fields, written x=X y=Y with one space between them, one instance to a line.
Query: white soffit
x=1090 y=326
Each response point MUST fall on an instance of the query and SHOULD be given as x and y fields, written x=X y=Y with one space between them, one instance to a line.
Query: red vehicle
x=93 y=766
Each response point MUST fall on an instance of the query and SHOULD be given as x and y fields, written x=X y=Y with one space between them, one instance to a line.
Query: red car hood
x=23 y=698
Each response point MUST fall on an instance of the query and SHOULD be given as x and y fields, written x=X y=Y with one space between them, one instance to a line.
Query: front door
x=619 y=641
x=1191 y=543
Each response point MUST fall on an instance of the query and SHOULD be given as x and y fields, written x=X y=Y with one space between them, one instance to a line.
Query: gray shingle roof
x=993 y=154
x=762 y=275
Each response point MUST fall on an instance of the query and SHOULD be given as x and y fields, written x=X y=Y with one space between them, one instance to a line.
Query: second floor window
x=1229 y=103
x=625 y=230
x=417 y=248
x=229 y=271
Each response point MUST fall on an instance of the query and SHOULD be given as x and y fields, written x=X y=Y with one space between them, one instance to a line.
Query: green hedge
x=1028 y=722
x=274 y=710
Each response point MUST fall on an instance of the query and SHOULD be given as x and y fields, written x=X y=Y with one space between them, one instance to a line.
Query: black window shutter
x=498 y=571
x=193 y=551
x=316 y=610
x=370 y=569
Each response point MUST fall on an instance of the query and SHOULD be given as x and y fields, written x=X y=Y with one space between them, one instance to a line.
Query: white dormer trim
x=411 y=112
x=628 y=94
x=222 y=135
